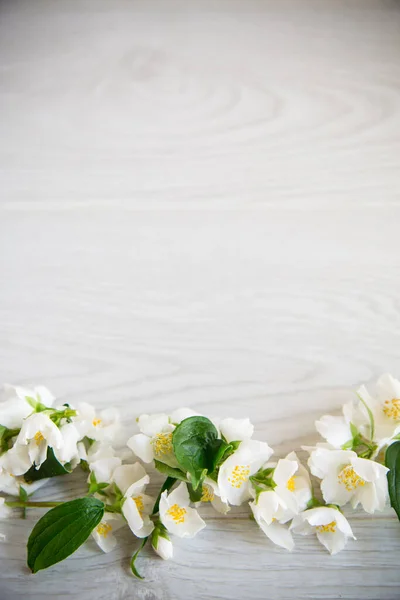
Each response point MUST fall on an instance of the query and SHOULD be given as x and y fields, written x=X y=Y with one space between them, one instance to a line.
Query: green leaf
x=170 y=471
x=50 y=468
x=36 y=404
x=195 y=495
x=197 y=447
x=392 y=461
x=61 y=531
x=5 y=436
x=134 y=557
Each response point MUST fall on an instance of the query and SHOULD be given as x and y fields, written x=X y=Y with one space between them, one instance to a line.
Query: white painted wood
x=199 y=205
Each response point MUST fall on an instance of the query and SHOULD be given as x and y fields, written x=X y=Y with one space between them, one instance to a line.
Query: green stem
x=19 y=504
x=370 y=415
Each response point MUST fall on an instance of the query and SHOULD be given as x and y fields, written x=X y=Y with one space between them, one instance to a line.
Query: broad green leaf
x=170 y=471
x=392 y=461
x=61 y=531
x=50 y=468
x=195 y=495
x=196 y=447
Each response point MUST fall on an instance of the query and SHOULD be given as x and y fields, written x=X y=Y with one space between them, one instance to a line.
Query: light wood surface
x=199 y=206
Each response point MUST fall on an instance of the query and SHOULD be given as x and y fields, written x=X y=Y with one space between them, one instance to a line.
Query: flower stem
x=19 y=504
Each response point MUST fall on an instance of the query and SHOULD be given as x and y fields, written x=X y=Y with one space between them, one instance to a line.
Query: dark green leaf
x=170 y=471
x=392 y=460
x=50 y=468
x=196 y=447
x=61 y=531
x=195 y=495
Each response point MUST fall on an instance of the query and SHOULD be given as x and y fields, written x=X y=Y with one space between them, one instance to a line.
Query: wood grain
x=199 y=206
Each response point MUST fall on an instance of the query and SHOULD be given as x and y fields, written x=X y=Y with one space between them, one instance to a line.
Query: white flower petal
x=16 y=461
x=163 y=546
x=284 y=470
x=278 y=534
x=182 y=413
x=103 y=533
x=141 y=445
x=335 y=430
x=188 y=527
x=69 y=448
x=333 y=542
x=103 y=468
x=179 y=495
x=125 y=475
x=14 y=409
x=236 y=429
x=150 y=425
x=137 y=487
x=369 y=470
x=5 y=511
x=133 y=516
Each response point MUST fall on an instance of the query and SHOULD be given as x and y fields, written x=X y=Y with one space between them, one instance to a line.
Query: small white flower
x=385 y=408
x=5 y=511
x=235 y=430
x=211 y=493
x=162 y=545
x=155 y=440
x=269 y=510
x=234 y=473
x=103 y=427
x=293 y=485
x=176 y=514
x=136 y=505
x=331 y=527
x=348 y=478
x=103 y=534
x=37 y=433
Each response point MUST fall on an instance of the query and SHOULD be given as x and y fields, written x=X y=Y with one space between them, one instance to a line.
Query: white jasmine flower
x=234 y=473
x=269 y=511
x=103 y=534
x=5 y=511
x=348 y=478
x=293 y=485
x=236 y=429
x=211 y=493
x=161 y=543
x=37 y=433
x=385 y=408
x=176 y=514
x=331 y=527
x=155 y=440
x=104 y=426
x=136 y=505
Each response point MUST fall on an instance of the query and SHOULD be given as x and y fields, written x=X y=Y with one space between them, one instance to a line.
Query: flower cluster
x=204 y=461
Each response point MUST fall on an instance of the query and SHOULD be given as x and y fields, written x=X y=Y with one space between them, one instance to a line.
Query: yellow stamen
x=96 y=422
x=104 y=529
x=391 y=408
x=349 y=478
x=239 y=476
x=39 y=437
x=162 y=443
x=208 y=494
x=177 y=513
x=138 y=500
x=329 y=528
x=291 y=484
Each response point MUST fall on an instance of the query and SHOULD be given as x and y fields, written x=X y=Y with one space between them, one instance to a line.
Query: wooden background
x=199 y=205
